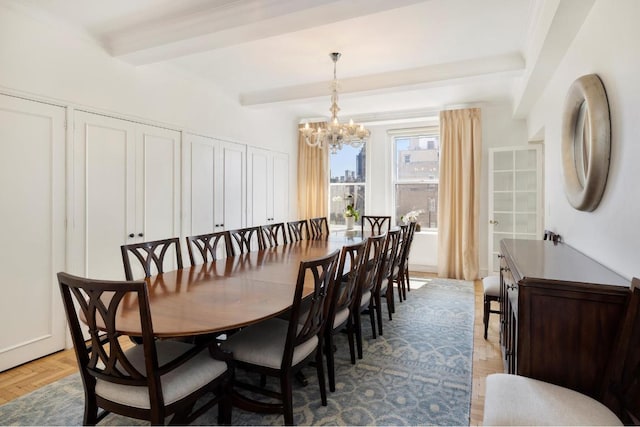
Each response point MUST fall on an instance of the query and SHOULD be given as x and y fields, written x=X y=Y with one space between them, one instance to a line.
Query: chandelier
x=334 y=134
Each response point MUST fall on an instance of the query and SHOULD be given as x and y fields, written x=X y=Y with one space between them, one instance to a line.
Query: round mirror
x=586 y=142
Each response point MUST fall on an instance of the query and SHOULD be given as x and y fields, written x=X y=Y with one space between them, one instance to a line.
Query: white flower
x=411 y=216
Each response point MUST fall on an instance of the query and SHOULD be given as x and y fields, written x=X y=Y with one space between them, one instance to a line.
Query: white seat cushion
x=517 y=400
x=177 y=384
x=491 y=285
x=341 y=317
x=364 y=302
x=263 y=344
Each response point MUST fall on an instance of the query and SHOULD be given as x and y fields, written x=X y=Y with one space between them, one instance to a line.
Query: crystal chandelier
x=334 y=134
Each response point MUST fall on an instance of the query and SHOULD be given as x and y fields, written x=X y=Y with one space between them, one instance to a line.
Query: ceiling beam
x=432 y=75
x=231 y=24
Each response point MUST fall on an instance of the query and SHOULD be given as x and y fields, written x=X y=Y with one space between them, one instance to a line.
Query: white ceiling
x=397 y=55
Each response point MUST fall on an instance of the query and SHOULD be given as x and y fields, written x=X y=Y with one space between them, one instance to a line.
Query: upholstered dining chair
x=244 y=240
x=341 y=302
x=279 y=348
x=366 y=282
x=403 y=277
x=384 y=281
x=517 y=400
x=319 y=227
x=149 y=381
x=375 y=224
x=298 y=230
x=151 y=255
x=273 y=235
x=206 y=247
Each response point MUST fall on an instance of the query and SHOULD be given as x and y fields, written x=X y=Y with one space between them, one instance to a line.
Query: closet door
x=259 y=187
x=233 y=184
x=280 y=193
x=105 y=194
x=32 y=189
x=126 y=190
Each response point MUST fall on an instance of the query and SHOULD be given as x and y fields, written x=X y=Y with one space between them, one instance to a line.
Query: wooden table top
x=228 y=293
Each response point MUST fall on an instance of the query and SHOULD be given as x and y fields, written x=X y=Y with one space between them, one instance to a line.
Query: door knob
x=493 y=222
x=131 y=235
x=140 y=234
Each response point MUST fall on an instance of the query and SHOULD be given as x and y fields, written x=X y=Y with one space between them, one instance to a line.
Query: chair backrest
x=622 y=386
x=388 y=257
x=377 y=224
x=103 y=358
x=273 y=235
x=151 y=256
x=298 y=230
x=208 y=246
x=351 y=261
x=319 y=227
x=321 y=272
x=244 y=240
x=373 y=252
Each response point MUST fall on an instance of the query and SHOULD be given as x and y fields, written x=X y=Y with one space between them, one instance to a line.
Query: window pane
x=348 y=165
x=416 y=197
x=417 y=157
x=348 y=176
x=339 y=200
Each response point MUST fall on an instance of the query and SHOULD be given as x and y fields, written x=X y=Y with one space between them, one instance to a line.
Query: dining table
x=227 y=293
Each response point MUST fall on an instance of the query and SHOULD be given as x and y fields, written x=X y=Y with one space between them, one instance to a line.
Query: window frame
x=394 y=134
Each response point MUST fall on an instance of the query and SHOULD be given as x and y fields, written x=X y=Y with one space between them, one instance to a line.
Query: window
x=417 y=165
x=348 y=176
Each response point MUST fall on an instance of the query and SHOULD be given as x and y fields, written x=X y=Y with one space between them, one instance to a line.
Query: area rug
x=418 y=373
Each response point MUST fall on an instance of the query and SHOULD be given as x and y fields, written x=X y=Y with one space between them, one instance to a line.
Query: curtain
x=459 y=193
x=312 y=178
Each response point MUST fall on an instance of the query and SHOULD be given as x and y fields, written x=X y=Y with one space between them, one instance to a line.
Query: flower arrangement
x=411 y=216
x=350 y=211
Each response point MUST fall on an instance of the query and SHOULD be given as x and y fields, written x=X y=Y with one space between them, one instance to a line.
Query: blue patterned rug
x=418 y=373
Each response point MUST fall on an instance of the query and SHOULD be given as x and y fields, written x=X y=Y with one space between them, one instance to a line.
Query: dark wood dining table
x=227 y=293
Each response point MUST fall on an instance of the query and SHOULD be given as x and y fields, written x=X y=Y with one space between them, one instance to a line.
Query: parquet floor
x=486 y=360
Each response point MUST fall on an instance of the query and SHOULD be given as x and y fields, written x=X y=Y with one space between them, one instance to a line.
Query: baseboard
x=423 y=268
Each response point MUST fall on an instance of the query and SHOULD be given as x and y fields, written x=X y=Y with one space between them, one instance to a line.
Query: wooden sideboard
x=560 y=312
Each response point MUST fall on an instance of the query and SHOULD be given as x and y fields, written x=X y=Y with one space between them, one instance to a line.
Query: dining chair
x=319 y=227
x=366 y=282
x=243 y=240
x=151 y=256
x=280 y=348
x=491 y=293
x=208 y=247
x=341 y=302
x=375 y=224
x=273 y=235
x=517 y=400
x=384 y=280
x=404 y=265
x=149 y=381
x=298 y=230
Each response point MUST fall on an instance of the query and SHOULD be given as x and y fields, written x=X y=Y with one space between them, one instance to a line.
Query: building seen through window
x=417 y=166
x=347 y=182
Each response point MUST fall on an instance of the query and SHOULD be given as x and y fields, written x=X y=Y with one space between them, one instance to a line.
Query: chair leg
x=321 y=380
x=352 y=351
x=90 y=411
x=372 y=316
x=406 y=273
x=328 y=351
x=287 y=397
x=379 y=313
x=357 y=320
x=400 y=282
x=390 y=304
x=485 y=316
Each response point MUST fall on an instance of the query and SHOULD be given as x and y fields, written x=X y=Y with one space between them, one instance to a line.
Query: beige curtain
x=459 y=193
x=313 y=179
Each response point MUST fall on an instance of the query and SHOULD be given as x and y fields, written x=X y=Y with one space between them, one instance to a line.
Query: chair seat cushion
x=263 y=344
x=517 y=400
x=341 y=317
x=192 y=375
x=491 y=285
x=364 y=302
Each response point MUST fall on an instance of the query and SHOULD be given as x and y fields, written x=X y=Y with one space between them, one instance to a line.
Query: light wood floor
x=486 y=360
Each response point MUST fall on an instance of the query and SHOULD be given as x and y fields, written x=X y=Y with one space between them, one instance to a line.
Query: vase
x=349 y=221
